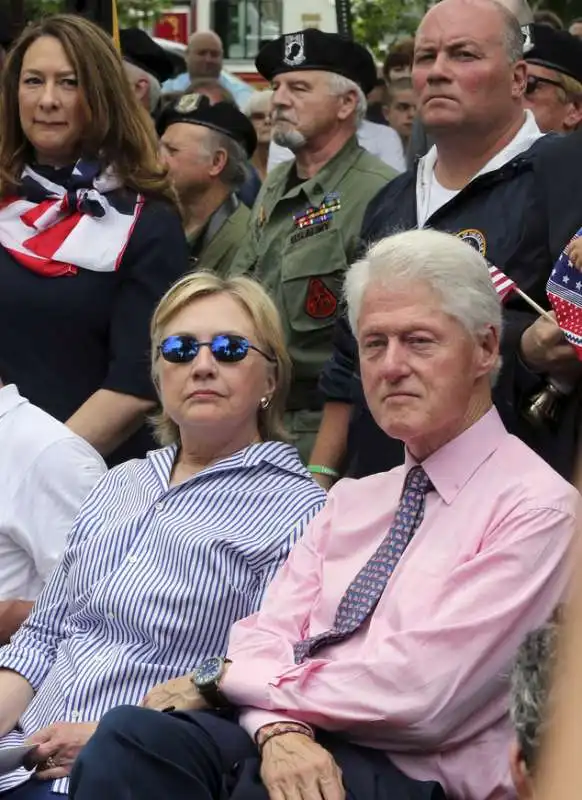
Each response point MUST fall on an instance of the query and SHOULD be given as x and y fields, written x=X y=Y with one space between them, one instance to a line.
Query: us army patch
x=320 y=302
x=475 y=239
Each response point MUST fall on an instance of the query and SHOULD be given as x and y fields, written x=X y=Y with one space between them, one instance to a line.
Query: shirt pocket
x=312 y=273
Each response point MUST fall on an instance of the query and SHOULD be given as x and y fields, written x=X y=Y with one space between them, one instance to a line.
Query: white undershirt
x=430 y=195
x=46 y=472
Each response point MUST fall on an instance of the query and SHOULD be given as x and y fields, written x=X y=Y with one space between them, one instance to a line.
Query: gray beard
x=292 y=140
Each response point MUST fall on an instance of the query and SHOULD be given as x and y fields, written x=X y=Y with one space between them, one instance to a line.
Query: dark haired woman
x=89 y=236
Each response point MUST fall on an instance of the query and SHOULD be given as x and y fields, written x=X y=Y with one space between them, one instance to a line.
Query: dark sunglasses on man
x=227 y=348
x=534 y=82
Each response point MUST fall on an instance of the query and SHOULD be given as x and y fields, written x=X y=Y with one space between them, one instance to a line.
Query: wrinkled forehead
x=478 y=21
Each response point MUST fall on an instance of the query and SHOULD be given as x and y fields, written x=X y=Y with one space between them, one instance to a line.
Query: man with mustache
x=481 y=181
x=305 y=224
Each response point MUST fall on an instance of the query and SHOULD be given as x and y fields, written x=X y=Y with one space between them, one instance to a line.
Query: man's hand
x=296 y=768
x=58 y=747
x=179 y=694
x=545 y=350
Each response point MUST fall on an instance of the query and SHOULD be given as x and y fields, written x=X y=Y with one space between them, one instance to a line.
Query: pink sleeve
x=413 y=689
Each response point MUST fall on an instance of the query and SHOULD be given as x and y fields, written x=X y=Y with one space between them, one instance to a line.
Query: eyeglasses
x=227 y=348
x=533 y=83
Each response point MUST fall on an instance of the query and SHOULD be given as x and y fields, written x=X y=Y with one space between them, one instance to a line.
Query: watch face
x=209 y=671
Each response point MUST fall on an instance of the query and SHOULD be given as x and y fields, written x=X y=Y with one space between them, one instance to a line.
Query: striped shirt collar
x=278 y=454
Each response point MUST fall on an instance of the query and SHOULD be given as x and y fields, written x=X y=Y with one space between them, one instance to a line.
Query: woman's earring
x=265 y=403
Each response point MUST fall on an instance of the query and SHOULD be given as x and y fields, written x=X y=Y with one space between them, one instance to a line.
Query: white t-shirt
x=46 y=472
x=379 y=140
x=430 y=195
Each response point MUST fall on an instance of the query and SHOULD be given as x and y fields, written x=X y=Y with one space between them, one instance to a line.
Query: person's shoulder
x=388 y=194
x=374 y=168
x=529 y=481
x=158 y=234
x=366 y=491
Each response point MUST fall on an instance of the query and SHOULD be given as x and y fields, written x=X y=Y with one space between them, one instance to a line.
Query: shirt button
x=111 y=615
x=132 y=559
x=159 y=506
x=75 y=715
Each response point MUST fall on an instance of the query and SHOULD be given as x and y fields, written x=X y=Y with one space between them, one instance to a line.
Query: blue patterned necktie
x=364 y=592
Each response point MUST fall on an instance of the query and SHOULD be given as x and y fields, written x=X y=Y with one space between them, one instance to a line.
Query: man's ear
x=519 y=79
x=519 y=773
x=573 y=116
x=219 y=162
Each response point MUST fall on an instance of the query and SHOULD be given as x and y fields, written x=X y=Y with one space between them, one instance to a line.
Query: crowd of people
x=290 y=391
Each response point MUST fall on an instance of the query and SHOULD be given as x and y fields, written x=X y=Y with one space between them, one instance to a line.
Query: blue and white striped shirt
x=152 y=579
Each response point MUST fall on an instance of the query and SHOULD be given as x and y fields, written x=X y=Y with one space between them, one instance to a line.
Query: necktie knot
x=418 y=481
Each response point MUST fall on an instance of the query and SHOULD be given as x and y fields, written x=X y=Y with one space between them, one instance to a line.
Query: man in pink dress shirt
x=404 y=688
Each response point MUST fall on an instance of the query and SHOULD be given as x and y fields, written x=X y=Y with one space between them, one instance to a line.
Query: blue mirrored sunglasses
x=228 y=348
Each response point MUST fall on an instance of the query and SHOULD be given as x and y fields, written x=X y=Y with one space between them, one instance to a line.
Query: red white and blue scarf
x=57 y=226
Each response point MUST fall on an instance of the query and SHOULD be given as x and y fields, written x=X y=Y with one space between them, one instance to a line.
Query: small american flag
x=564 y=291
x=503 y=285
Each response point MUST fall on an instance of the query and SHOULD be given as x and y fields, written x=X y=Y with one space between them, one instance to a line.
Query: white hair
x=136 y=74
x=453 y=269
x=259 y=101
x=338 y=84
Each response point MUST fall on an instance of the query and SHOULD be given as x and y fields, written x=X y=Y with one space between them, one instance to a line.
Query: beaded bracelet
x=319 y=469
x=278 y=729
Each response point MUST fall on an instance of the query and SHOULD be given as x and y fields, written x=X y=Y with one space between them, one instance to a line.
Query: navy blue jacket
x=507 y=213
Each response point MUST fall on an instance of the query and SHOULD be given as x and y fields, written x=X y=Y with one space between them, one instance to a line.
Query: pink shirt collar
x=455 y=463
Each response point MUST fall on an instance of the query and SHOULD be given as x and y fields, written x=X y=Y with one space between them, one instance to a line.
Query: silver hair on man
x=531 y=681
x=453 y=269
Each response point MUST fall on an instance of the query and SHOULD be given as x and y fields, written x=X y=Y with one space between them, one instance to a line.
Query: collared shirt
x=430 y=195
x=240 y=90
x=426 y=678
x=379 y=140
x=46 y=472
x=153 y=577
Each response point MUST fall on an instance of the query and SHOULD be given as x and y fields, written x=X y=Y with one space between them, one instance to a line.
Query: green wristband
x=318 y=469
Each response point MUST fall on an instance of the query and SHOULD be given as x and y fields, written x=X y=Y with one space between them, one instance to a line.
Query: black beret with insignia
x=317 y=50
x=557 y=50
x=226 y=118
x=139 y=49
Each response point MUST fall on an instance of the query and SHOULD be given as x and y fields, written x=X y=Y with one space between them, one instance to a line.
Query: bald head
x=468 y=69
x=205 y=54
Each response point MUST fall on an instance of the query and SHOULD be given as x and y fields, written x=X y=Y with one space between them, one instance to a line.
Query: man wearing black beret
x=305 y=223
x=147 y=66
x=206 y=148
x=554 y=79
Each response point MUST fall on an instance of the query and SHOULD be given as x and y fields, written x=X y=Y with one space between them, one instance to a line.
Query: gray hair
x=155 y=89
x=338 y=85
x=531 y=681
x=452 y=268
x=235 y=171
x=513 y=35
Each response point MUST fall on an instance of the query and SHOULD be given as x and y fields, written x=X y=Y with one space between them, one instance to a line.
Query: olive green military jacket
x=218 y=253
x=299 y=244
